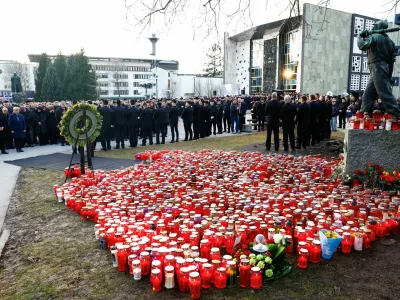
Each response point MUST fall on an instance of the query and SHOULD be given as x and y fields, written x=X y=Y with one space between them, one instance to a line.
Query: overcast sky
x=100 y=27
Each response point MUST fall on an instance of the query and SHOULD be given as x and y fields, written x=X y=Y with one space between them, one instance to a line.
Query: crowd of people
x=314 y=116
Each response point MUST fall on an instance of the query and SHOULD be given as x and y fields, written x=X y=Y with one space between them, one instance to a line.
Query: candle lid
x=155 y=271
x=169 y=268
x=194 y=274
x=304 y=251
x=255 y=269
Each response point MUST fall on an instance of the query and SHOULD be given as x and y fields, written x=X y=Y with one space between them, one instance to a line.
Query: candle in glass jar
x=145 y=263
x=231 y=273
x=255 y=278
x=194 y=285
x=315 y=252
x=169 y=277
x=206 y=275
x=156 y=280
x=215 y=254
x=113 y=250
x=302 y=259
x=358 y=241
x=183 y=280
x=220 y=278
x=244 y=271
x=136 y=269
x=346 y=243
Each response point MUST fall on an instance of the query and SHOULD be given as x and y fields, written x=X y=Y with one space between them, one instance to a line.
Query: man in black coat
x=302 y=120
x=220 y=115
x=146 y=118
x=29 y=115
x=272 y=112
x=174 y=114
x=227 y=115
x=4 y=130
x=314 y=117
x=59 y=114
x=242 y=109
x=196 y=119
x=159 y=119
x=321 y=117
x=260 y=113
x=105 y=131
x=204 y=119
x=187 y=117
x=328 y=114
x=287 y=115
x=119 y=114
x=342 y=113
x=213 y=117
x=133 y=124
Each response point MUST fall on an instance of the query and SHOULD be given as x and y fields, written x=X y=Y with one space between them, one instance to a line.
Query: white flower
x=278 y=238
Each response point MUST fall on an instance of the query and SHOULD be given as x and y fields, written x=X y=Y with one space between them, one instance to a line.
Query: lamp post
x=153 y=39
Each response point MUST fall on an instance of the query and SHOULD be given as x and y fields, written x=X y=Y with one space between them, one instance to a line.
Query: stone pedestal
x=378 y=147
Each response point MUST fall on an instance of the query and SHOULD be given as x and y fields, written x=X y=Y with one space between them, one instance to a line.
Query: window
x=103 y=92
x=354 y=82
x=102 y=75
x=121 y=84
x=103 y=84
x=356 y=64
x=365 y=68
x=289 y=61
x=121 y=92
x=358 y=25
x=135 y=92
x=364 y=82
x=120 y=76
x=136 y=84
x=142 y=76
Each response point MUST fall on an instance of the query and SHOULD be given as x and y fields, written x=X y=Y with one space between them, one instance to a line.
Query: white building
x=189 y=85
x=296 y=55
x=24 y=70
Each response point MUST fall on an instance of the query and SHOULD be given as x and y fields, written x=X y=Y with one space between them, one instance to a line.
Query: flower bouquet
x=330 y=240
x=273 y=263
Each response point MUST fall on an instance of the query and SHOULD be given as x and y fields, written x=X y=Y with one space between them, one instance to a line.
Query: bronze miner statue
x=381 y=57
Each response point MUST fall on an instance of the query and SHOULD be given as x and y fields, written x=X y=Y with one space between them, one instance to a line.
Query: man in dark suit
x=227 y=115
x=133 y=124
x=159 y=118
x=187 y=117
x=322 y=117
x=328 y=114
x=220 y=115
x=105 y=131
x=146 y=118
x=174 y=113
x=213 y=117
x=260 y=113
x=302 y=120
x=272 y=112
x=314 y=117
x=119 y=124
x=287 y=115
x=242 y=108
x=196 y=119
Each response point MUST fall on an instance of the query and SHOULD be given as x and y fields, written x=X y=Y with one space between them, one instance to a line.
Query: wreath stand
x=81 y=150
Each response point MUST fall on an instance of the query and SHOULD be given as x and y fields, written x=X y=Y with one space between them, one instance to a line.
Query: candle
x=220 y=278
x=113 y=250
x=231 y=273
x=156 y=280
x=346 y=243
x=145 y=263
x=315 y=252
x=169 y=277
x=194 y=285
x=358 y=241
x=183 y=281
x=244 y=271
x=136 y=269
x=206 y=276
x=255 y=278
x=302 y=259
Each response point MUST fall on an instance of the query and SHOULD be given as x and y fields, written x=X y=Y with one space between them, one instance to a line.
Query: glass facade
x=256 y=82
x=289 y=61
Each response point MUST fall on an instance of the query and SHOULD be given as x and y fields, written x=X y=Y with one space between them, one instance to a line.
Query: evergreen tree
x=213 y=64
x=40 y=74
x=82 y=81
x=50 y=87
x=60 y=64
x=67 y=78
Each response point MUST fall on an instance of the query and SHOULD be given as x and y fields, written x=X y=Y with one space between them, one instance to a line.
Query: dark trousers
x=328 y=129
x=342 y=121
x=188 y=130
x=52 y=135
x=214 y=126
x=160 y=130
x=272 y=128
x=105 y=138
x=219 y=124
x=30 y=137
x=2 y=145
x=235 y=124
x=147 y=133
x=196 y=129
x=321 y=130
x=379 y=87
x=302 y=137
x=261 y=124
x=43 y=138
x=288 y=136
x=174 y=130
x=19 y=143
x=314 y=134
x=227 y=123
x=242 y=120
x=120 y=135
x=133 y=136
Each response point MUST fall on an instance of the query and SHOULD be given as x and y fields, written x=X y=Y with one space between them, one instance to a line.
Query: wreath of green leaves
x=82 y=125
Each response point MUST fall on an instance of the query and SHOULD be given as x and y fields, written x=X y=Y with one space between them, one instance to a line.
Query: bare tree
x=116 y=73
x=209 y=87
x=198 y=87
x=210 y=15
x=22 y=71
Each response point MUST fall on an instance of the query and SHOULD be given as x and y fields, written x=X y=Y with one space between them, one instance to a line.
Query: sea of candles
x=178 y=218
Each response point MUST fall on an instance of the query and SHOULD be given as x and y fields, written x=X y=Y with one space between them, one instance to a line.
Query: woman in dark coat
x=41 y=125
x=52 y=125
x=18 y=129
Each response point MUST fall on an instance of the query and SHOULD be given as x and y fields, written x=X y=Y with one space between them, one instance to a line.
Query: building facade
x=315 y=53
x=26 y=73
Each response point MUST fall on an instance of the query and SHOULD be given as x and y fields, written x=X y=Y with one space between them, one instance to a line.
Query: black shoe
x=176 y=141
x=116 y=147
x=190 y=139
x=4 y=152
x=122 y=146
x=157 y=143
x=143 y=145
x=20 y=150
x=172 y=142
x=103 y=149
x=108 y=148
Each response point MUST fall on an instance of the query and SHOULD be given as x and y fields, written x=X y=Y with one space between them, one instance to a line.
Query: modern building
x=24 y=71
x=316 y=52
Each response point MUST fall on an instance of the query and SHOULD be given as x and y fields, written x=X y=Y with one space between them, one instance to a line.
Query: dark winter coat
x=17 y=124
x=335 y=110
x=51 y=122
x=146 y=119
x=41 y=117
x=287 y=115
x=303 y=115
x=174 y=113
x=5 y=134
x=272 y=112
x=187 y=115
x=133 y=116
x=119 y=115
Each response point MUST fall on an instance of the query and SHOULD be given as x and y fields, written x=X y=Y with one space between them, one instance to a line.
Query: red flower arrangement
x=375 y=177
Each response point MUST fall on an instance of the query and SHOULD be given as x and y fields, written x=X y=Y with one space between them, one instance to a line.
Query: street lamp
x=288 y=74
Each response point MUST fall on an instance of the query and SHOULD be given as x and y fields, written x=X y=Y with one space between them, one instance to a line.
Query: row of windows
x=120 y=68
x=125 y=76
x=120 y=92
x=120 y=84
